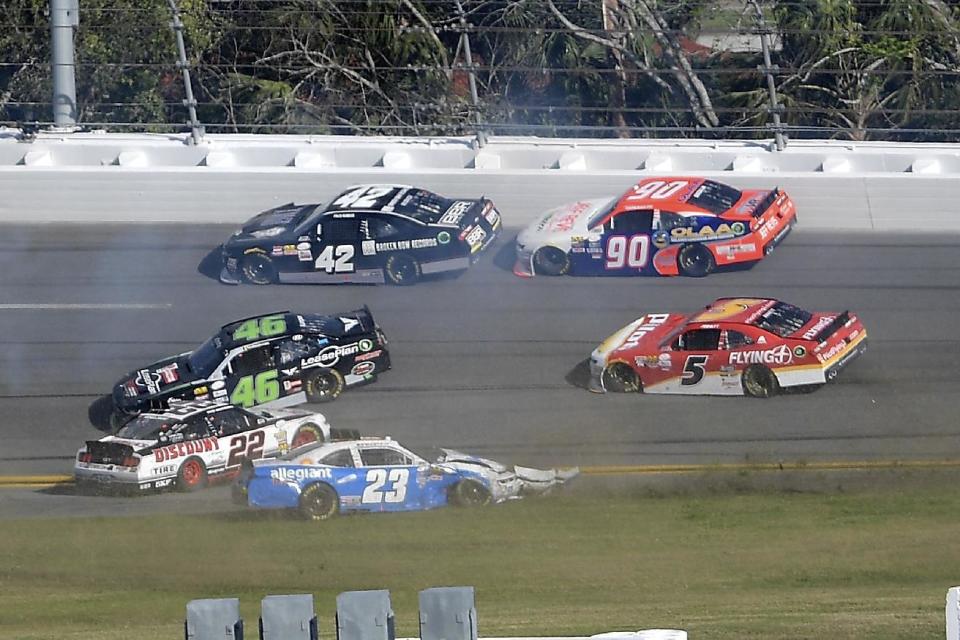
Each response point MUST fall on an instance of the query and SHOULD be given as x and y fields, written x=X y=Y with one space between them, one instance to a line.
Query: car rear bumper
x=105 y=475
x=845 y=359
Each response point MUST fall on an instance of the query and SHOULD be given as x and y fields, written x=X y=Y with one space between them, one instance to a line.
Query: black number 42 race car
x=273 y=360
x=368 y=233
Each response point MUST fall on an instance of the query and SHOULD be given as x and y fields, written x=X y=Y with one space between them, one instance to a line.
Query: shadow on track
x=579 y=376
x=211 y=264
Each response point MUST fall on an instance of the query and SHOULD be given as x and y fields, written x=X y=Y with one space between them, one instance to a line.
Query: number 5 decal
x=378 y=478
x=693 y=370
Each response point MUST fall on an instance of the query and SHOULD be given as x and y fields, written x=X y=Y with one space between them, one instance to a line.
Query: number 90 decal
x=623 y=251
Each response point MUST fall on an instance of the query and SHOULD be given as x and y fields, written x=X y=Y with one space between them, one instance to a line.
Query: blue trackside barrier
x=365 y=615
x=288 y=618
x=448 y=613
x=213 y=619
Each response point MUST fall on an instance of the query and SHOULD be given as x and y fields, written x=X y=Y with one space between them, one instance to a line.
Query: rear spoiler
x=833 y=327
x=365 y=316
x=765 y=203
x=337 y=434
x=108 y=452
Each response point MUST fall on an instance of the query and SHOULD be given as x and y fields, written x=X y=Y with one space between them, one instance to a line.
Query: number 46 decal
x=378 y=479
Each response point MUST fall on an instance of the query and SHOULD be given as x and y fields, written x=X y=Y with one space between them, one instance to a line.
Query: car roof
x=181 y=410
x=675 y=201
x=734 y=310
x=335 y=325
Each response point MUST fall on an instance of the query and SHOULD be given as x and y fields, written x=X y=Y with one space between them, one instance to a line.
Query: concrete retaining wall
x=158 y=178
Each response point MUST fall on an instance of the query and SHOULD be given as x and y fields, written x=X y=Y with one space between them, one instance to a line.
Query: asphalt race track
x=485 y=362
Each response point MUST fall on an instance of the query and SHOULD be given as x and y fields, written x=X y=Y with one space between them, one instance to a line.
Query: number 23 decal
x=693 y=370
x=395 y=480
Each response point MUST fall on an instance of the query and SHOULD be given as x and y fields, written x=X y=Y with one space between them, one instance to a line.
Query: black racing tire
x=323 y=385
x=551 y=261
x=470 y=493
x=307 y=433
x=620 y=377
x=401 y=269
x=759 y=382
x=695 y=261
x=257 y=268
x=238 y=490
x=192 y=475
x=319 y=501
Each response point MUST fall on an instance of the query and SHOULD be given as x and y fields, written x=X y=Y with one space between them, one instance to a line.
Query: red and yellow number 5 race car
x=751 y=346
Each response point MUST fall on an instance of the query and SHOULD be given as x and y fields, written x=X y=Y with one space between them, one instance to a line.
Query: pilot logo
x=778 y=356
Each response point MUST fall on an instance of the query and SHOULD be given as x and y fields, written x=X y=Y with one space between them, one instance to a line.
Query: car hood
x=643 y=335
x=286 y=217
x=452 y=457
x=562 y=223
x=158 y=377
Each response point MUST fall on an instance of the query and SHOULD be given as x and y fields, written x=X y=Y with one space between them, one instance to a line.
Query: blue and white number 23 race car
x=378 y=474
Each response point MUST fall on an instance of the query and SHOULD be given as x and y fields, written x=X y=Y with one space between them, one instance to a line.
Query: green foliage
x=725 y=566
x=397 y=66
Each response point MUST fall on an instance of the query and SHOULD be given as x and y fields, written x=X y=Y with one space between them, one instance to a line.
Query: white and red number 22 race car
x=192 y=443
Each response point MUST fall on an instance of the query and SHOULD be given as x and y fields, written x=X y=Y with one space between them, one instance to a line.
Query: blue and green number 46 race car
x=378 y=474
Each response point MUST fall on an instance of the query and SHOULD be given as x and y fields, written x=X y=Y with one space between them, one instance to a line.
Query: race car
x=274 y=360
x=322 y=479
x=661 y=226
x=369 y=233
x=191 y=443
x=751 y=346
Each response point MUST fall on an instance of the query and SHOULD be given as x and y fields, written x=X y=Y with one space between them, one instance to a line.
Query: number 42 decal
x=336 y=259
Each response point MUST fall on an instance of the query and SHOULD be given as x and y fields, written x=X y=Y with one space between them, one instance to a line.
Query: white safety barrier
x=100 y=177
x=953 y=613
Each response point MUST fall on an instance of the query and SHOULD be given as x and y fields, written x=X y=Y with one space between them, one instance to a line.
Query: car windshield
x=205 y=358
x=783 y=319
x=143 y=427
x=714 y=197
x=423 y=205
x=602 y=213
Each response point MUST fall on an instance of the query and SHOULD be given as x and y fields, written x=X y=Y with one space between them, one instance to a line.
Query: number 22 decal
x=378 y=478
x=337 y=259
x=245 y=446
x=693 y=370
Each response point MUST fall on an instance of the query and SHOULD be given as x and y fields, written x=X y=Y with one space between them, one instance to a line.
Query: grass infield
x=760 y=565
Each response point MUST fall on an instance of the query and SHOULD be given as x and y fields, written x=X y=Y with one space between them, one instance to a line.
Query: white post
x=953 y=613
